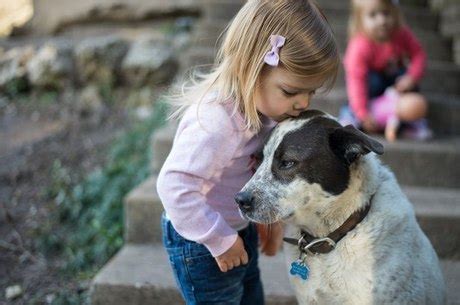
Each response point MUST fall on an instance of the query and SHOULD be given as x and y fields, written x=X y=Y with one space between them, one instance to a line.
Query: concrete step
x=416 y=17
x=161 y=142
x=443 y=115
x=141 y=274
x=406 y=4
x=142 y=212
x=438 y=211
x=428 y=164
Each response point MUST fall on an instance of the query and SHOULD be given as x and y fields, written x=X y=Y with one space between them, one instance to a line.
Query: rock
x=50 y=298
x=149 y=62
x=52 y=16
x=143 y=112
x=51 y=67
x=98 y=59
x=181 y=42
x=450 y=19
x=13 y=68
x=4 y=101
x=12 y=292
x=90 y=104
x=144 y=96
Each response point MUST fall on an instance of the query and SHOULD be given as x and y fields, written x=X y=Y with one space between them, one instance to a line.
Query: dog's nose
x=245 y=201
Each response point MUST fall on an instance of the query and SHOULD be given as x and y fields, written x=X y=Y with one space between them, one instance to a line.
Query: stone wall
x=106 y=62
x=51 y=16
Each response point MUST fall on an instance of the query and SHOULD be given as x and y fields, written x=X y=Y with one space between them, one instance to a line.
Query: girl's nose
x=381 y=18
x=303 y=102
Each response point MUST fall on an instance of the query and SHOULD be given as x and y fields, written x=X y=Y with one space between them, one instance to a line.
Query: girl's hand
x=405 y=83
x=369 y=124
x=233 y=257
x=271 y=238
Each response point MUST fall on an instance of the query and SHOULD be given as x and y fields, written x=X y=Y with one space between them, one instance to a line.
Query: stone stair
x=427 y=171
x=140 y=274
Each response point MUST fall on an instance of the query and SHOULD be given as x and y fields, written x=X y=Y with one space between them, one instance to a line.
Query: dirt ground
x=31 y=140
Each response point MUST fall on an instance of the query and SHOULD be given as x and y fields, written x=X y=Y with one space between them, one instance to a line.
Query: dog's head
x=306 y=159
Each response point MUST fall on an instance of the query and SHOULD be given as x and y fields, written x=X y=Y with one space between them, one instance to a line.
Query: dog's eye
x=287 y=164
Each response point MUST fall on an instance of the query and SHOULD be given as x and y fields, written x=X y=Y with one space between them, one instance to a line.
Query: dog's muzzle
x=245 y=201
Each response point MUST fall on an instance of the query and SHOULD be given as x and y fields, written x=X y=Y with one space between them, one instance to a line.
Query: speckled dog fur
x=386 y=259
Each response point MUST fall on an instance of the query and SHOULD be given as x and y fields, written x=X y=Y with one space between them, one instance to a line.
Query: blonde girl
x=383 y=53
x=275 y=54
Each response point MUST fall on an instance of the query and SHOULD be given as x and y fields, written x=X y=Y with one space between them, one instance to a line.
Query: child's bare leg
x=391 y=129
x=411 y=107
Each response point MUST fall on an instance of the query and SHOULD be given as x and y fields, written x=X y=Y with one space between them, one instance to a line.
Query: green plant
x=16 y=86
x=86 y=225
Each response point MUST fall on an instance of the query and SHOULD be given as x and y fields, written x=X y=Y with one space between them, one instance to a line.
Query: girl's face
x=280 y=96
x=377 y=20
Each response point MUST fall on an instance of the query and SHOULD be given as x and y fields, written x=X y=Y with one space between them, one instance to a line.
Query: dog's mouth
x=267 y=216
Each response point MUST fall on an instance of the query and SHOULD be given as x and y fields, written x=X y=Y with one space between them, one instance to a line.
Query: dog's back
x=406 y=265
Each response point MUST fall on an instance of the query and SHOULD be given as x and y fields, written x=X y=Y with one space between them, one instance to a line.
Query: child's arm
x=356 y=63
x=233 y=257
x=201 y=151
x=417 y=64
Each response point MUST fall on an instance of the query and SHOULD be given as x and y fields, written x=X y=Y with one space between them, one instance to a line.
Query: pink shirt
x=364 y=54
x=208 y=164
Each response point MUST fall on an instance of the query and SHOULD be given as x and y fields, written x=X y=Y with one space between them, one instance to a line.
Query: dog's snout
x=245 y=201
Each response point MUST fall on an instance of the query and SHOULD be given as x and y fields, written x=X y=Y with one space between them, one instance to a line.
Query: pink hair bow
x=272 y=57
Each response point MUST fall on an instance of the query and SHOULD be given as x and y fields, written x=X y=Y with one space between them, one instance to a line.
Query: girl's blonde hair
x=355 y=24
x=310 y=50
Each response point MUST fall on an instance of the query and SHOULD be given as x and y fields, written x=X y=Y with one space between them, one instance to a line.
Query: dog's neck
x=321 y=217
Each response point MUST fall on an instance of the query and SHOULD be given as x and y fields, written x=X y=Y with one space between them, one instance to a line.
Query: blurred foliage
x=16 y=86
x=65 y=296
x=86 y=226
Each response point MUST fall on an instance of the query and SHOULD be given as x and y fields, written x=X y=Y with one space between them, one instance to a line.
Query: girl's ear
x=348 y=143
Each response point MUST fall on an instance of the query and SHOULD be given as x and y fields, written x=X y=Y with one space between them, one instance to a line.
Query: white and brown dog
x=356 y=237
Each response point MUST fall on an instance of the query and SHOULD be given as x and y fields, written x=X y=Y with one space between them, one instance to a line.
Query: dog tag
x=300 y=269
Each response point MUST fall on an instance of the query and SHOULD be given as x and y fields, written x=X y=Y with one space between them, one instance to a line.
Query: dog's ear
x=349 y=143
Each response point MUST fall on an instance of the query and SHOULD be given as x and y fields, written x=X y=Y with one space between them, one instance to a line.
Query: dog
x=353 y=236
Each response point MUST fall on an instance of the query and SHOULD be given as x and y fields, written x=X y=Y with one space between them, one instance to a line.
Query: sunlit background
x=14 y=13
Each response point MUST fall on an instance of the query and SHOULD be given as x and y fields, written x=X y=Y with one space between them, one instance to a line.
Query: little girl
x=375 y=59
x=275 y=55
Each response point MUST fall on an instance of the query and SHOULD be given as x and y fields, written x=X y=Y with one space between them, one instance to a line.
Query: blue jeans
x=378 y=82
x=199 y=277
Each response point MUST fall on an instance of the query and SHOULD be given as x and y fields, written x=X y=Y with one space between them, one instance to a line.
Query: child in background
x=274 y=56
x=380 y=46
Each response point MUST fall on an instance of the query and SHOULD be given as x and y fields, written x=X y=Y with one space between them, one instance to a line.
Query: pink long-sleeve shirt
x=364 y=54
x=210 y=161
